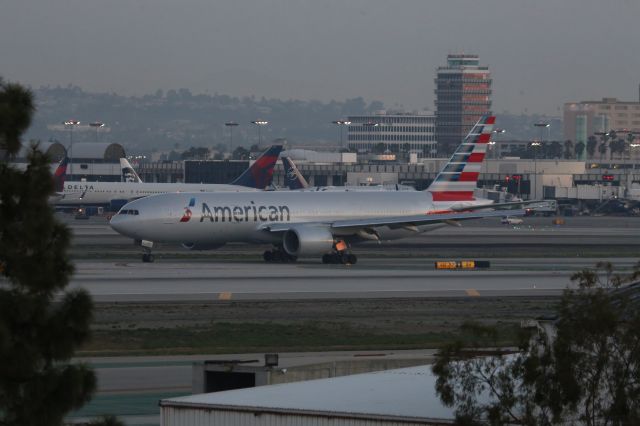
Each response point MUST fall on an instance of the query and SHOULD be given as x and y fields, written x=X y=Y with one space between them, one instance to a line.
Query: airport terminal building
x=394 y=133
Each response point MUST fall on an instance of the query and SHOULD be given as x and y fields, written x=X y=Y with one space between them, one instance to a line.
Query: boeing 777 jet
x=324 y=224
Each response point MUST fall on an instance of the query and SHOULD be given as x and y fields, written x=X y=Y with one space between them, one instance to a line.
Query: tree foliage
x=240 y=153
x=592 y=143
x=41 y=325
x=579 y=149
x=196 y=153
x=582 y=369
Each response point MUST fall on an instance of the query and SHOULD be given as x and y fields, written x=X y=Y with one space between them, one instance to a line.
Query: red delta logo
x=186 y=217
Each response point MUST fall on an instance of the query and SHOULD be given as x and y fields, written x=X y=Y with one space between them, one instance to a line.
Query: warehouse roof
x=402 y=394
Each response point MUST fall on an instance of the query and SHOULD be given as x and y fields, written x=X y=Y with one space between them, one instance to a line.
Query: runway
x=378 y=278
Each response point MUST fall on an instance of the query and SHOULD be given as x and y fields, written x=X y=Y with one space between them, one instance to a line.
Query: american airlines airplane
x=255 y=178
x=294 y=180
x=323 y=224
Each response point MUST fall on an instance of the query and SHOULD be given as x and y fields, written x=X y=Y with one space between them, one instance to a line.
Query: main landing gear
x=340 y=255
x=278 y=255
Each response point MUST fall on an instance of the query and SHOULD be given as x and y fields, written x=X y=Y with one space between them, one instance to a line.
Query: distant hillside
x=178 y=119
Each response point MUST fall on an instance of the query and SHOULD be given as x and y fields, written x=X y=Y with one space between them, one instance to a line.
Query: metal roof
x=402 y=394
x=106 y=151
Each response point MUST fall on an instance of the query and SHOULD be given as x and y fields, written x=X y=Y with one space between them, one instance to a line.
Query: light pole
x=70 y=124
x=535 y=146
x=231 y=125
x=370 y=126
x=542 y=125
x=497 y=132
x=96 y=125
x=260 y=123
x=341 y=123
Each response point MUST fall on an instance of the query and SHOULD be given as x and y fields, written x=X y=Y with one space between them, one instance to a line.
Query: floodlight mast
x=70 y=124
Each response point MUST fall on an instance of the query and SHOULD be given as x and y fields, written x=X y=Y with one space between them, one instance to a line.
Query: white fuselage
x=218 y=218
x=98 y=193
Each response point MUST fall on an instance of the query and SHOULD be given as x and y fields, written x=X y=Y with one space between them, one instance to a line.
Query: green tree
x=602 y=149
x=617 y=147
x=592 y=143
x=584 y=368
x=554 y=150
x=568 y=149
x=41 y=324
x=579 y=149
x=193 y=153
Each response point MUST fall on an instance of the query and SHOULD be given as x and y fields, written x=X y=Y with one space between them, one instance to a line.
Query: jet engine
x=307 y=240
x=194 y=246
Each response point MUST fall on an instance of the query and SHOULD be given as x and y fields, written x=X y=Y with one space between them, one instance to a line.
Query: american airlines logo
x=186 y=216
x=247 y=213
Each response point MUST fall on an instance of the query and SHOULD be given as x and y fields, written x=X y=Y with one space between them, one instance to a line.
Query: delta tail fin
x=293 y=179
x=127 y=173
x=459 y=178
x=260 y=174
x=60 y=174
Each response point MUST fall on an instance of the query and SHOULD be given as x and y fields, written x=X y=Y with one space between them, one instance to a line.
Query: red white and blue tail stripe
x=458 y=179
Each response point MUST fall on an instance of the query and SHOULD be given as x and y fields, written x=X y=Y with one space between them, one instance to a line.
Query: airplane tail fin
x=260 y=174
x=293 y=179
x=127 y=173
x=60 y=174
x=458 y=179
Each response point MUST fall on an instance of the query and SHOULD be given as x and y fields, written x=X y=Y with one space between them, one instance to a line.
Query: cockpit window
x=132 y=212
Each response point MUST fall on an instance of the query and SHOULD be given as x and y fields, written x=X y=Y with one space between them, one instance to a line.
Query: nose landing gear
x=147 y=256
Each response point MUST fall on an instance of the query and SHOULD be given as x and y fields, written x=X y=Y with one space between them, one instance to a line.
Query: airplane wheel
x=147 y=258
x=353 y=259
x=268 y=256
x=326 y=258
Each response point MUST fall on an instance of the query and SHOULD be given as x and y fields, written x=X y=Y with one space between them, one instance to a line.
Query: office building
x=463 y=95
x=397 y=133
x=584 y=119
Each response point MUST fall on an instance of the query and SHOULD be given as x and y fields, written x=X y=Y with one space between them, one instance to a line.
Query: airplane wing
x=416 y=220
x=463 y=208
x=395 y=221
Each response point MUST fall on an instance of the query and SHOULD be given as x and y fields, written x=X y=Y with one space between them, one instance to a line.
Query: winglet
x=128 y=174
x=260 y=174
x=459 y=178
x=293 y=179
x=60 y=174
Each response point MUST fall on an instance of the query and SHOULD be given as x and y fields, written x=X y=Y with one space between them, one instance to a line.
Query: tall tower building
x=463 y=95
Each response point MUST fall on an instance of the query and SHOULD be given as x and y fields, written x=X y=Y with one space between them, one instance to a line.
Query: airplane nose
x=121 y=224
x=116 y=223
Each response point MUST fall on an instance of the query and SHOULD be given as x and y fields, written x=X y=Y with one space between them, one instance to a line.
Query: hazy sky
x=542 y=53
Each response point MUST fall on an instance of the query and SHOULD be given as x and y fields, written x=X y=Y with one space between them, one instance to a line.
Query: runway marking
x=472 y=292
x=225 y=295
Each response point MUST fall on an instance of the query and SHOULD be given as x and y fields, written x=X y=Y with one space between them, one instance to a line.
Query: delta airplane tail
x=260 y=174
x=59 y=175
x=458 y=179
x=127 y=173
x=293 y=179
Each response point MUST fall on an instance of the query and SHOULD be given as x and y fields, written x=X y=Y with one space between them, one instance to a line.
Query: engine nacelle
x=194 y=246
x=307 y=240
